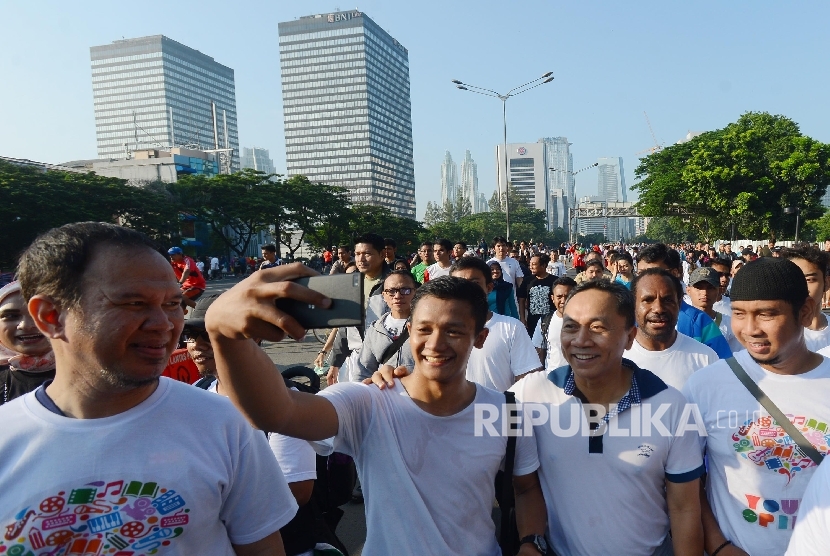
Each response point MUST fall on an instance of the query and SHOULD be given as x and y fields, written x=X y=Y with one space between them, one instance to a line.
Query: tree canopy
x=743 y=175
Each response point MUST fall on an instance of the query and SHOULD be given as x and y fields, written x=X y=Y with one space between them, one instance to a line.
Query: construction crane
x=657 y=146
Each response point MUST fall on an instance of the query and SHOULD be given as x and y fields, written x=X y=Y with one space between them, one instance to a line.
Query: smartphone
x=346 y=294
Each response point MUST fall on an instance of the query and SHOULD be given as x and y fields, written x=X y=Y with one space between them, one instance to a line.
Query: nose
x=160 y=319
x=27 y=322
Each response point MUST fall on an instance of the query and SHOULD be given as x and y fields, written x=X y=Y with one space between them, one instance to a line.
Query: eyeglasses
x=193 y=335
x=392 y=292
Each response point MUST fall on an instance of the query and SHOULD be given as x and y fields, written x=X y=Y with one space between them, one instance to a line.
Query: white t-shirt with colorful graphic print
x=182 y=473
x=757 y=475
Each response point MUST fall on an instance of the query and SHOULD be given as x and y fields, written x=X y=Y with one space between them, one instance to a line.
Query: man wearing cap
x=766 y=251
x=757 y=474
x=704 y=292
x=187 y=273
x=110 y=453
x=658 y=346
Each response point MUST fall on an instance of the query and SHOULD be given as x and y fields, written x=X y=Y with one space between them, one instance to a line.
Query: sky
x=692 y=66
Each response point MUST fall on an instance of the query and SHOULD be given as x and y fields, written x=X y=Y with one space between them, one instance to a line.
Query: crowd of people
x=639 y=399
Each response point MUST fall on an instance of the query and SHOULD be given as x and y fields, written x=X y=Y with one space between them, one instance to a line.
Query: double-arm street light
x=546 y=78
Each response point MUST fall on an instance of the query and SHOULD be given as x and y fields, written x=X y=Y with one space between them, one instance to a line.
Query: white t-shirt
x=436 y=470
x=817 y=339
x=507 y=353
x=554 y=358
x=183 y=461
x=214 y=264
x=810 y=535
x=436 y=271
x=756 y=475
x=510 y=269
x=201 y=266
x=626 y=478
x=556 y=268
x=676 y=364
x=723 y=306
x=394 y=326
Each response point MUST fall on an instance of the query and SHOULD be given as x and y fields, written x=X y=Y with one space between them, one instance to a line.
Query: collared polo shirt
x=617 y=477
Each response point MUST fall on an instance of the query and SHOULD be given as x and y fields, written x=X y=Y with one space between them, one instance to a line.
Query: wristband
x=322 y=352
x=721 y=547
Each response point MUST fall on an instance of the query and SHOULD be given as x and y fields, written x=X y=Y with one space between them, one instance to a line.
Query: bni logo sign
x=522 y=151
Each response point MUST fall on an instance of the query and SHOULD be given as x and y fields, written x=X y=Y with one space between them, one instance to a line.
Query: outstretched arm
x=251 y=380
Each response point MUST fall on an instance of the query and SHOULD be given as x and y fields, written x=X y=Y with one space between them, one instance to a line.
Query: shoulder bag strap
x=507 y=479
x=806 y=447
x=393 y=348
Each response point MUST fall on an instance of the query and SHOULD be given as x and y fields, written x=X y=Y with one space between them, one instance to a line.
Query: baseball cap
x=736 y=263
x=705 y=274
x=197 y=316
x=175 y=251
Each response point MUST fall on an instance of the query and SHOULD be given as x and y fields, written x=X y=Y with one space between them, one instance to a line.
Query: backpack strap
x=806 y=447
x=546 y=326
x=204 y=382
x=507 y=483
x=393 y=348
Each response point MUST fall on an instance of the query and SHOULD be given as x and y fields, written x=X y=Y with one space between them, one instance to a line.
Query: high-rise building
x=611 y=189
x=449 y=180
x=469 y=182
x=526 y=172
x=153 y=92
x=348 y=121
x=559 y=163
x=257 y=159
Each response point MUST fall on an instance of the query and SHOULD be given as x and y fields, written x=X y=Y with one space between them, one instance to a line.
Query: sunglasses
x=392 y=292
x=192 y=335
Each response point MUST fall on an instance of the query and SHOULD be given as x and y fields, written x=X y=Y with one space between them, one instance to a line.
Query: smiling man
x=109 y=445
x=414 y=445
x=594 y=451
x=757 y=475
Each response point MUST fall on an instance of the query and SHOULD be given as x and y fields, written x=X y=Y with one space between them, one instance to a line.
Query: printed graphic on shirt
x=763 y=442
x=119 y=518
x=539 y=296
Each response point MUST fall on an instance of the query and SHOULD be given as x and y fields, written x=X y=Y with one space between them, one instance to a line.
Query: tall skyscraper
x=611 y=189
x=469 y=182
x=257 y=159
x=449 y=180
x=560 y=165
x=153 y=92
x=348 y=121
x=526 y=172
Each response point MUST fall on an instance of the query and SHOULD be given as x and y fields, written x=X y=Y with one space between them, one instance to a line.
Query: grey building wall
x=136 y=83
x=346 y=101
x=257 y=159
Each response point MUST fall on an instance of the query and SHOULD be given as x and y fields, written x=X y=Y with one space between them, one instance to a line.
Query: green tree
x=406 y=232
x=235 y=206
x=670 y=229
x=743 y=175
x=311 y=212
x=34 y=201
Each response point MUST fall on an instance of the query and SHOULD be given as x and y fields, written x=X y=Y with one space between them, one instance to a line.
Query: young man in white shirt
x=546 y=335
x=441 y=251
x=508 y=353
x=704 y=292
x=510 y=269
x=110 y=451
x=415 y=445
x=756 y=474
x=813 y=263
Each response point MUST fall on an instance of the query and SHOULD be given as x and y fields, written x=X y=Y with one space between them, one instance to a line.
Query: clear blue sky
x=692 y=66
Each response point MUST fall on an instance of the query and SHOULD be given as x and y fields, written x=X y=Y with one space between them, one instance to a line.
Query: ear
x=807 y=312
x=48 y=316
x=490 y=287
x=826 y=283
x=480 y=337
x=631 y=335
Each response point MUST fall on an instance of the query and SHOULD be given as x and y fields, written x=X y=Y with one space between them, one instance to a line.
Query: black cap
x=197 y=317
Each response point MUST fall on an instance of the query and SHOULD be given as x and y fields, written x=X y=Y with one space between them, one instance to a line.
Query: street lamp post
x=546 y=78
x=797 y=211
x=570 y=224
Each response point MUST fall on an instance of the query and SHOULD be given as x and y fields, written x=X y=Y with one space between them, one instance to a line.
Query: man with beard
x=757 y=472
x=109 y=435
x=658 y=346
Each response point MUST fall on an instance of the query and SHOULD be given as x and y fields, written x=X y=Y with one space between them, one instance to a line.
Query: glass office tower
x=348 y=120
x=153 y=92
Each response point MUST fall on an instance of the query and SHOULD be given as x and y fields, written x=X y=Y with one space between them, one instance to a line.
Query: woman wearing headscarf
x=26 y=356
